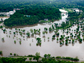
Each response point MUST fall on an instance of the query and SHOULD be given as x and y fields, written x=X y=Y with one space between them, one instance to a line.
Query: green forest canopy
x=7 y=5
x=35 y=14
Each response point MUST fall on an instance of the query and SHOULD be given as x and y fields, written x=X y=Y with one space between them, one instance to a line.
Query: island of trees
x=32 y=15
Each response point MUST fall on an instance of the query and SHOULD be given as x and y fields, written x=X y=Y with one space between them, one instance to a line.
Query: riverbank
x=43 y=59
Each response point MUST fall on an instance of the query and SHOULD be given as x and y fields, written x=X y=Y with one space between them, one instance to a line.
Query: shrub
x=14 y=54
x=58 y=57
x=0 y=52
x=63 y=57
x=10 y=53
x=75 y=59
x=31 y=56
x=68 y=58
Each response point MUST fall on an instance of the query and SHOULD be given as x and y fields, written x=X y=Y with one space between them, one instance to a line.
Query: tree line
x=7 y=5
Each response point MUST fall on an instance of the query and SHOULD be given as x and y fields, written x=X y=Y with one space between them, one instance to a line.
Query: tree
x=1 y=61
x=37 y=56
x=57 y=34
x=38 y=40
x=56 y=24
x=31 y=30
x=48 y=38
x=10 y=32
x=50 y=29
x=57 y=39
x=14 y=33
x=20 y=42
x=4 y=30
x=15 y=41
x=45 y=55
x=43 y=33
x=10 y=53
x=30 y=59
x=3 y=39
x=80 y=40
x=66 y=41
x=72 y=41
x=28 y=34
x=14 y=54
x=16 y=29
x=20 y=33
x=49 y=55
x=63 y=24
x=53 y=36
x=0 y=52
x=45 y=29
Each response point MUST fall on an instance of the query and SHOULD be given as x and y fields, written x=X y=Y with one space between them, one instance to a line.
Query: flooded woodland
x=42 y=38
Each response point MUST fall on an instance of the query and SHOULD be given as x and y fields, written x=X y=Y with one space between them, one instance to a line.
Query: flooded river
x=28 y=45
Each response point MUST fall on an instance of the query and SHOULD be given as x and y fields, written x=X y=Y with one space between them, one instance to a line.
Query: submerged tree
x=53 y=37
x=15 y=41
x=1 y=53
x=45 y=29
x=50 y=29
x=57 y=34
x=43 y=33
x=3 y=39
x=4 y=30
x=38 y=41
x=28 y=34
x=31 y=30
x=80 y=40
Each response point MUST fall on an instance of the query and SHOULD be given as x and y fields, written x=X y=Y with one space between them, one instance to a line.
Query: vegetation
x=12 y=60
x=46 y=59
x=6 y=6
x=42 y=21
x=67 y=58
x=32 y=15
x=38 y=41
x=10 y=53
x=0 y=52
x=73 y=18
x=31 y=12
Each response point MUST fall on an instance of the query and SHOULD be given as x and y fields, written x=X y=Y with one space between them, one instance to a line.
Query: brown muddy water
x=28 y=45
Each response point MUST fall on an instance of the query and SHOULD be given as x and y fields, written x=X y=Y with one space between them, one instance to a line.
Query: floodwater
x=3 y=18
x=28 y=45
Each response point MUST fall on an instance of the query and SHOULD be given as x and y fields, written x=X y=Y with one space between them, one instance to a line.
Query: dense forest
x=36 y=9
x=7 y=5
x=32 y=15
